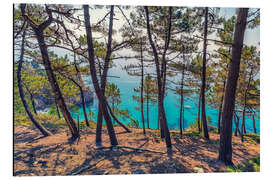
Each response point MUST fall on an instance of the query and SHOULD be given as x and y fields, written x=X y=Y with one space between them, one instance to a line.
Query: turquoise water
x=126 y=85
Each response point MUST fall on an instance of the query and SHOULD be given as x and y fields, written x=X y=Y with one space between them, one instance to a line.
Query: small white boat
x=188 y=107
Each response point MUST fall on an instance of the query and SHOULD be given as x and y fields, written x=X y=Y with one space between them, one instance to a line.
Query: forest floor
x=35 y=155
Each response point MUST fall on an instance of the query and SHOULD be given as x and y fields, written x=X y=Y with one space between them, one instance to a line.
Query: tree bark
x=142 y=78
x=204 y=121
x=220 y=106
x=162 y=116
x=40 y=127
x=81 y=91
x=83 y=105
x=199 y=113
x=54 y=84
x=182 y=102
x=147 y=112
x=225 y=149
x=99 y=125
x=38 y=29
x=98 y=90
x=243 y=126
x=116 y=120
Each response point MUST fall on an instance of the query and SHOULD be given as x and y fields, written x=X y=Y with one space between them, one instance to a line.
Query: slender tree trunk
x=204 y=121
x=81 y=91
x=147 y=112
x=83 y=105
x=199 y=113
x=254 y=125
x=40 y=127
x=183 y=117
x=78 y=121
x=180 y=118
x=99 y=125
x=99 y=92
x=38 y=29
x=116 y=120
x=243 y=122
x=225 y=149
x=220 y=107
x=57 y=109
x=142 y=78
x=52 y=79
x=182 y=101
x=236 y=124
x=33 y=103
x=162 y=116
x=243 y=126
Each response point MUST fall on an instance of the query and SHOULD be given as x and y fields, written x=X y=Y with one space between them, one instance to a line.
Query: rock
x=198 y=170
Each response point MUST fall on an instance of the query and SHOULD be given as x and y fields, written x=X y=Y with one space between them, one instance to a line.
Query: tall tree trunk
x=98 y=90
x=254 y=125
x=243 y=126
x=99 y=125
x=220 y=106
x=162 y=116
x=182 y=101
x=180 y=118
x=54 y=84
x=199 y=113
x=41 y=128
x=225 y=149
x=38 y=29
x=142 y=78
x=83 y=106
x=81 y=91
x=147 y=112
x=204 y=121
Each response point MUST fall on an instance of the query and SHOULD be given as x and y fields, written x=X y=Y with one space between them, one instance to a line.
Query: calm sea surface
x=127 y=83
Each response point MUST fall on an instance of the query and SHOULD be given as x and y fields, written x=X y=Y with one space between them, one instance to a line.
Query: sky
x=252 y=36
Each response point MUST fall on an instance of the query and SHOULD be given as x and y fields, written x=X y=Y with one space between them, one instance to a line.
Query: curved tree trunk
x=54 y=84
x=116 y=120
x=98 y=90
x=41 y=128
x=38 y=29
x=204 y=121
x=225 y=149
x=160 y=74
